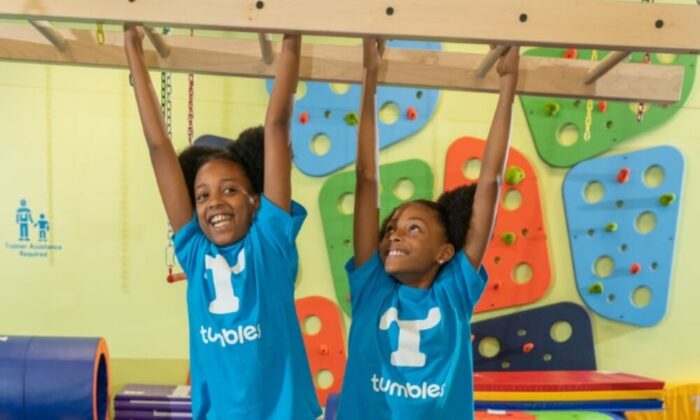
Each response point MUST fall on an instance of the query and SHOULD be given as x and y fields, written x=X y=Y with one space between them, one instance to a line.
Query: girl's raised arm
x=485 y=203
x=171 y=181
x=366 y=217
x=278 y=155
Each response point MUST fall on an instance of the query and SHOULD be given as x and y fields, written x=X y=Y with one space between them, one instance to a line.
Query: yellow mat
x=641 y=394
x=681 y=402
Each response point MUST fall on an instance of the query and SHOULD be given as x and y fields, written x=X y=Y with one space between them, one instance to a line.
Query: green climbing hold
x=611 y=227
x=667 y=199
x=351 y=119
x=551 y=109
x=596 y=288
x=514 y=175
x=508 y=238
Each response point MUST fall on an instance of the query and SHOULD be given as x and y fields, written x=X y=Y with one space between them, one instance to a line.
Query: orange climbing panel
x=325 y=345
x=517 y=258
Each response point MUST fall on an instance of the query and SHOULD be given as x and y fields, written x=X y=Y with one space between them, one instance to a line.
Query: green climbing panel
x=558 y=125
x=400 y=182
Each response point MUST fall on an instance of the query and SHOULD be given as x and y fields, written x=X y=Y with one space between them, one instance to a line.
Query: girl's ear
x=254 y=202
x=447 y=251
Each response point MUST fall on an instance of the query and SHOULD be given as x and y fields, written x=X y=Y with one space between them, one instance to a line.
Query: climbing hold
x=323 y=349
x=351 y=119
x=667 y=199
x=304 y=117
x=602 y=106
x=527 y=347
x=634 y=268
x=411 y=113
x=623 y=176
x=514 y=175
x=508 y=238
x=551 y=109
x=571 y=53
x=611 y=227
x=596 y=288
x=496 y=285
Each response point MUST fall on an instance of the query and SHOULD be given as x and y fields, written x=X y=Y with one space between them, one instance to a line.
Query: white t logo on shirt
x=408 y=353
x=225 y=300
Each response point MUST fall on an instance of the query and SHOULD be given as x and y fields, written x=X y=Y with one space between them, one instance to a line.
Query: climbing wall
x=553 y=337
x=324 y=132
x=399 y=182
x=517 y=258
x=622 y=216
x=558 y=125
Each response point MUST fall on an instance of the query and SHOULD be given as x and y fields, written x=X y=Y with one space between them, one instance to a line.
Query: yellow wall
x=73 y=148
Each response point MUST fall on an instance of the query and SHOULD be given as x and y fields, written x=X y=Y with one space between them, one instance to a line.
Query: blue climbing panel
x=323 y=112
x=622 y=216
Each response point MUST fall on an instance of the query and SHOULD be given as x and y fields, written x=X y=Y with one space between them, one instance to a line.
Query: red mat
x=559 y=380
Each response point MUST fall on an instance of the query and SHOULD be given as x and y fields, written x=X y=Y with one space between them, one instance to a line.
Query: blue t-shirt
x=410 y=351
x=247 y=354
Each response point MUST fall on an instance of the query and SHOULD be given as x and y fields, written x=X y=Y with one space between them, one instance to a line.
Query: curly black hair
x=247 y=150
x=454 y=210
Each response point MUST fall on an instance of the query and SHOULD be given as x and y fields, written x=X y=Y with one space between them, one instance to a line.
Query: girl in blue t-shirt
x=414 y=281
x=235 y=227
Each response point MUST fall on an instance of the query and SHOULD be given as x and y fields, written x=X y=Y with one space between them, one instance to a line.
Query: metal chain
x=170 y=251
x=166 y=90
x=190 y=103
x=589 y=107
x=641 y=106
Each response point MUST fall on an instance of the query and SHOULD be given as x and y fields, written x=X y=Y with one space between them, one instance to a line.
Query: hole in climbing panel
x=489 y=347
x=665 y=58
x=419 y=94
x=312 y=325
x=654 y=266
x=623 y=248
x=645 y=223
x=339 y=88
x=653 y=176
x=346 y=203
x=404 y=189
x=560 y=331
x=324 y=379
x=611 y=298
x=320 y=144
x=512 y=200
x=567 y=134
x=471 y=169
x=603 y=266
x=301 y=91
x=389 y=113
x=593 y=192
x=522 y=273
x=641 y=296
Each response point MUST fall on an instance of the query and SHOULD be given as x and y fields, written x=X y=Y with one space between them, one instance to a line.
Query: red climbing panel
x=517 y=258
x=326 y=346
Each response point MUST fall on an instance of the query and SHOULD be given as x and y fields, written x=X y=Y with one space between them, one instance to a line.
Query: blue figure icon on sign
x=43 y=226
x=24 y=218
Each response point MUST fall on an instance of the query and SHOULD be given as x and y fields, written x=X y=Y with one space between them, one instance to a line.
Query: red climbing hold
x=527 y=347
x=304 y=117
x=571 y=53
x=411 y=113
x=634 y=268
x=602 y=106
x=623 y=176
